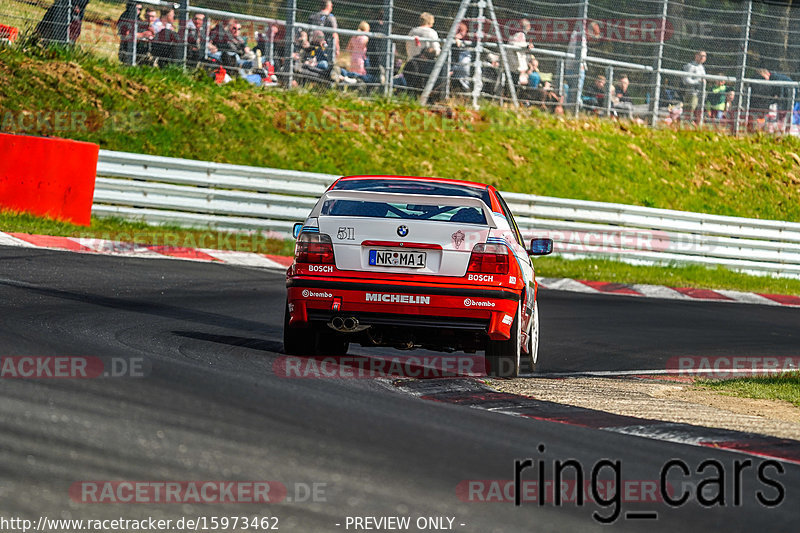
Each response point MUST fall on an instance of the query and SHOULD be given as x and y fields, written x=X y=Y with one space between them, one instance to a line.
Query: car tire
x=533 y=339
x=502 y=357
x=297 y=341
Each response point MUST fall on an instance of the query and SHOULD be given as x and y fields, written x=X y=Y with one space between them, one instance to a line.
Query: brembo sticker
x=469 y=302
x=312 y=294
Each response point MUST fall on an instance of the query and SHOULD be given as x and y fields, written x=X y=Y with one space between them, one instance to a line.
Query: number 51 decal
x=346 y=234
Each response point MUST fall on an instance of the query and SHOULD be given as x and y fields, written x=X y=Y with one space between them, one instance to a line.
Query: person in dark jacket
x=376 y=48
x=131 y=27
x=62 y=22
x=419 y=68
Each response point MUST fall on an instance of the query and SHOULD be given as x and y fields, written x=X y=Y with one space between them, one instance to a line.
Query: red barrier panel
x=48 y=177
x=8 y=32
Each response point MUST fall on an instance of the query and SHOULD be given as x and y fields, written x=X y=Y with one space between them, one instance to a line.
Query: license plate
x=393 y=258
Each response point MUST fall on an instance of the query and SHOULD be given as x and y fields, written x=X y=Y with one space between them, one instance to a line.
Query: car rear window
x=414 y=187
x=406 y=211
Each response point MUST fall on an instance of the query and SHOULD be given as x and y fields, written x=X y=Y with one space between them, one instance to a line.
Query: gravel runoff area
x=663 y=400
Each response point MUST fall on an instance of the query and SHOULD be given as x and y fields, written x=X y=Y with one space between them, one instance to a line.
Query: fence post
x=183 y=20
x=582 y=59
x=561 y=78
x=389 y=66
x=68 y=14
x=790 y=114
x=704 y=85
x=745 y=47
x=291 y=18
x=477 y=70
x=609 y=88
x=747 y=108
x=659 y=63
x=135 y=41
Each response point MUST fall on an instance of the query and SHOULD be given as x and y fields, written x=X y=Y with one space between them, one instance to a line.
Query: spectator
x=461 y=58
x=150 y=18
x=166 y=47
x=492 y=78
x=772 y=98
x=377 y=48
x=596 y=94
x=220 y=35
x=692 y=84
x=144 y=38
x=357 y=46
x=195 y=39
x=532 y=78
x=324 y=17
x=271 y=47
x=716 y=101
x=424 y=37
x=315 y=61
x=62 y=22
x=518 y=58
x=130 y=27
x=167 y=21
x=621 y=101
x=419 y=69
x=575 y=68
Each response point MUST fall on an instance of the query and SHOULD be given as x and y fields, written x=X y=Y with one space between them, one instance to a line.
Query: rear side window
x=510 y=218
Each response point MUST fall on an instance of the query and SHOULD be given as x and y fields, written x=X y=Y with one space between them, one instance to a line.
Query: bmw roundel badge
x=402 y=231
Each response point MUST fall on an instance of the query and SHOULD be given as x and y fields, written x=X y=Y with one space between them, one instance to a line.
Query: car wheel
x=297 y=341
x=533 y=339
x=502 y=357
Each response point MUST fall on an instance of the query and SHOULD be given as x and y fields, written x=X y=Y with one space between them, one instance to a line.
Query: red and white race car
x=413 y=262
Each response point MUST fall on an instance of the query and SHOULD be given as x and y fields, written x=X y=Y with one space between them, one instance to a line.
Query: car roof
x=418 y=178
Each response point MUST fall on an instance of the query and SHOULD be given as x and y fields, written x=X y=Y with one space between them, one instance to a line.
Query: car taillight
x=489 y=259
x=315 y=248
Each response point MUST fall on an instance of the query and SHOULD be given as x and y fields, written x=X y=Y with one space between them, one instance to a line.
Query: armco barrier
x=214 y=195
x=48 y=177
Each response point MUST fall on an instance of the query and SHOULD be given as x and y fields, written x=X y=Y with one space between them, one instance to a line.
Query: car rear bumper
x=417 y=305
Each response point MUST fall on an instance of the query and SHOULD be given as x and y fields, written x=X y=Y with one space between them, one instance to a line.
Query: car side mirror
x=541 y=247
x=296 y=229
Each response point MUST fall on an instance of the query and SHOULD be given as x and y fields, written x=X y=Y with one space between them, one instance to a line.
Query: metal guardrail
x=183 y=192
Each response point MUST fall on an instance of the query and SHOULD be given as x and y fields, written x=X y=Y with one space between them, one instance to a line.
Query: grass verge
x=784 y=387
x=125 y=231
x=172 y=113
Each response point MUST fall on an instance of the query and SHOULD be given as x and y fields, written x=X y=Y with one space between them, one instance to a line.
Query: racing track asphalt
x=212 y=409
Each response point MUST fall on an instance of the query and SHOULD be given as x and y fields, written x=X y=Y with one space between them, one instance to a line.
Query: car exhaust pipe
x=347 y=324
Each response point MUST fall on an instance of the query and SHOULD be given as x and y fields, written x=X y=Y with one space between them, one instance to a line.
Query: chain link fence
x=721 y=63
